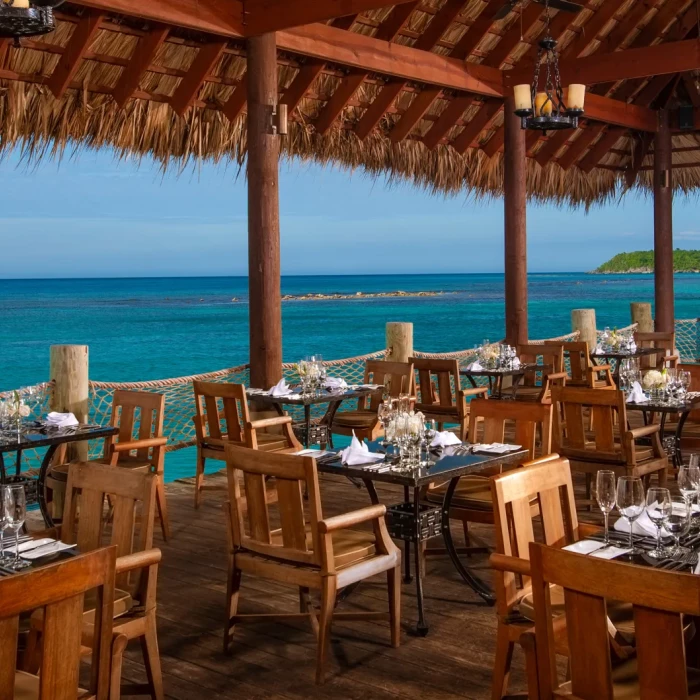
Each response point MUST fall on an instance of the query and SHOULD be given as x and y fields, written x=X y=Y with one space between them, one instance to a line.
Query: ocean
x=153 y=328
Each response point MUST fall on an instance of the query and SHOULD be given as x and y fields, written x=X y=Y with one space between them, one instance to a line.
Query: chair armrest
x=557 y=375
x=355 y=517
x=138 y=560
x=515 y=565
x=478 y=391
x=643 y=431
x=588 y=529
x=139 y=444
x=600 y=368
x=268 y=422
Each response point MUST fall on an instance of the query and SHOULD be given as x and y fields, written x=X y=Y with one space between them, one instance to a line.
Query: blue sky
x=94 y=216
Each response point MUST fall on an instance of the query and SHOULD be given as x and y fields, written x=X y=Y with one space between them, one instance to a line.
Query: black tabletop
x=447 y=466
x=523 y=369
x=37 y=436
x=323 y=396
x=621 y=355
x=690 y=404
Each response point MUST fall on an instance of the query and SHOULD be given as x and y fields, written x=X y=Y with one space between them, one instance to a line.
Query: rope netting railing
x=688 y=339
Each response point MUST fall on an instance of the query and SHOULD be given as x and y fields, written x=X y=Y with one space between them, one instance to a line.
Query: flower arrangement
x=654 y=379
x=489 y=352
x=15 y=409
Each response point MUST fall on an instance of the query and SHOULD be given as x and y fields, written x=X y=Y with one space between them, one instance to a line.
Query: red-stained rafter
x=579 y=147
x=143 y=57
x=478 y=30
x=301 y=84
x=552 y=147
x=531 y=16
x=78 y=45
x=642 y=144
x=347 y=21
x=187 y=91
x=495 y=144
x=417 y=110
x=481 y=120
x=340 y=98
x=601 y=149
x=691 y=87
x=447 y=120
x=440 y=24
x=237 y=102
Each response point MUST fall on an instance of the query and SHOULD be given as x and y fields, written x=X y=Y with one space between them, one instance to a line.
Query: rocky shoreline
x=359 y=295
x=638 y=271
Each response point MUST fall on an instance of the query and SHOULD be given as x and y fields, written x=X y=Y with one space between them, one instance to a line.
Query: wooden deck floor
x=277 y=660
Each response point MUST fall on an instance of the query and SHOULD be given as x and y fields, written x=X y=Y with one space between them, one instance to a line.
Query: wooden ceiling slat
x=237 y=102
x=371 y=118
x=335 y=106
x=447 y=120
x=579 y=147
x=500 y=52
x=481 y=120
x=440 y=24
x=601 y=149
x=642 y=144
x=143 y=57
x=495 y=144
x=301 y=84
x=188 y=89
x=591 y=29
x=420 y=105
x=347 y=21
x=78 y=45
x=552 y=147
x=396 y=21
x=478 y=29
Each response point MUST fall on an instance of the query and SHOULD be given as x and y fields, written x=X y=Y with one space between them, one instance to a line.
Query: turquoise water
x=167 y=327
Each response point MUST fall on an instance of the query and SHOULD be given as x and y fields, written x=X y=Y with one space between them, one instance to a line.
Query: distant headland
x=358 y=295
x=642 y=262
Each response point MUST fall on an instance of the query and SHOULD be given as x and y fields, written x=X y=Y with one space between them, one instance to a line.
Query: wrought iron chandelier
x=19 y=18
x=546 y=110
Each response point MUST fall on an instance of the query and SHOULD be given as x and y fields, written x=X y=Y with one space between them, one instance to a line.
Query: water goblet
x=4 y=525
x=678 y=524
x=659 y=507
x=15 y=507
x=684 y=379
x=385 y=413
x=605 y=495
x=630 y=502
x=404 y=403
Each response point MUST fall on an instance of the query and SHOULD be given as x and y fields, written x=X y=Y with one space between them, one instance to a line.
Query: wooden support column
x=663 y=226
x=265 y=305
x=515 y=219
x=71 y=392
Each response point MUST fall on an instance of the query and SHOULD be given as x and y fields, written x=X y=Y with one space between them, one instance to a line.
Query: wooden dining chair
x=396 y=377
x=439 y=395
x=60 y=591
x=536 y=385
x=495 y=421
x=690 y=437
x=140 y=444
x=659 y=599
x=306 y=550
x=223 y=417
x=127 y=524
x=610 y=444
x=582 y=371
x=667 y=356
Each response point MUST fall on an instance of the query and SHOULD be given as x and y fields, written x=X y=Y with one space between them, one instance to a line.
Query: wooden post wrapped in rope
x=69 y=372
x=583 y=321
x=399 y=341
x=641 y=315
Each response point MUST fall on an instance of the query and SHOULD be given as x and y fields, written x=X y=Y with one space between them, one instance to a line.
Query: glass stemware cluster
x=312 y=374
x=405 y=429
x=629 y=373
x=18 y=406
x=496 y=356
x=617 y=341
x=13 y=513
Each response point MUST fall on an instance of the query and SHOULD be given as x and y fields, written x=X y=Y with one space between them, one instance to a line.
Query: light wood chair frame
x=667 y=357
x=299 y=561
x=582 y=371
x=552 y=356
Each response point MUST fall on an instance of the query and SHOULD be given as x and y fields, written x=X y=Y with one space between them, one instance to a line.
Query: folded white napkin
x=52 y=547
x=633 y=347
x=637 y=394
x=475 y=366
x=598 y=350
x=497 y=448
x=335 y=383
x=61 y=420
x=610 y=552
x=280 y=389
x=358 y=453
x=445 y=439
x=584 y=546
x=643 y=526
x=516 y=363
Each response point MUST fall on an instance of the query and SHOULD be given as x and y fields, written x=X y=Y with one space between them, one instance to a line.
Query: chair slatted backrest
x=221 y=411
x=138 y=415
x=578 y=355
x=251 y=529
x=397 y=378
x=548 y=480
x=438 y=386
x=525 y=419
x=551 y=356
x=693 y=416
x=666 y=342
x=60 y=590
x=659 y=599
x=130 y=514
x=575 y=409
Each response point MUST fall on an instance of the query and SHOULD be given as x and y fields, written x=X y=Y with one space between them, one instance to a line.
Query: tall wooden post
x=640 y=312
x=583 y=321
x=663 y=226
x=515 y=204
x=399 y=341
x=265 y=305
x=69 y=372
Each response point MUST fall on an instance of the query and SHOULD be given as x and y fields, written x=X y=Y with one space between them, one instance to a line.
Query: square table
x=32 y=436
x=334 y=398
x=617 y=357
x=495 y=377
x=450 y=466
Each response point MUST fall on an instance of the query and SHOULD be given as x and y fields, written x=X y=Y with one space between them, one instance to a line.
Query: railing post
x=583 y=321
x=399 y=341
x=69 y=372
x=641 y=315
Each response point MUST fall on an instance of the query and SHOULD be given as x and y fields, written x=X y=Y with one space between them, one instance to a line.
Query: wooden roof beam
x=78 y=45
x=579 y=147
x=447 y=120
x=339 y=100
x=553 y=145
x=420 y=105
x=601 y=149
x=642 y=145
x=480 y=121
x=206 y=59
x=143 y=56
x=478 y=30
x=262 y=16
x=302 y=83
x=691 y=87
x=237 y=102
x=500 y=52
x=495 y=144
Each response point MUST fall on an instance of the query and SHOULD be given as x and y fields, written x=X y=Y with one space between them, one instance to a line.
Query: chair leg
x=232 y=594
x=162 y=504
x=31 y=659
x=467 y=539
x=199 y=479
x=328 y=593
x=394 y=584
x=501 y=665
x=115 y=680
x=151 y=658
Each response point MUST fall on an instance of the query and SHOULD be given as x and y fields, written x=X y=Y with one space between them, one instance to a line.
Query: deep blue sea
x=167 y=327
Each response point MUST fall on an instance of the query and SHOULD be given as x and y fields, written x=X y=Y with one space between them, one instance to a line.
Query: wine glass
x=15 y=507
x=4 y=524
x=659 y=507
x=385 y=413
x=688 y=481
x=630 y=501
x=605 y=495
x=684 y=381
x=678 y=524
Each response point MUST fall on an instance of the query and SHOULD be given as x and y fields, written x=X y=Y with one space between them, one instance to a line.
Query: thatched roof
x=588 y=165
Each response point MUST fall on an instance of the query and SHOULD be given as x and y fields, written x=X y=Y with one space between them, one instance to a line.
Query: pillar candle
x=523 y=97
x=543 y=105
x=576 y=96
